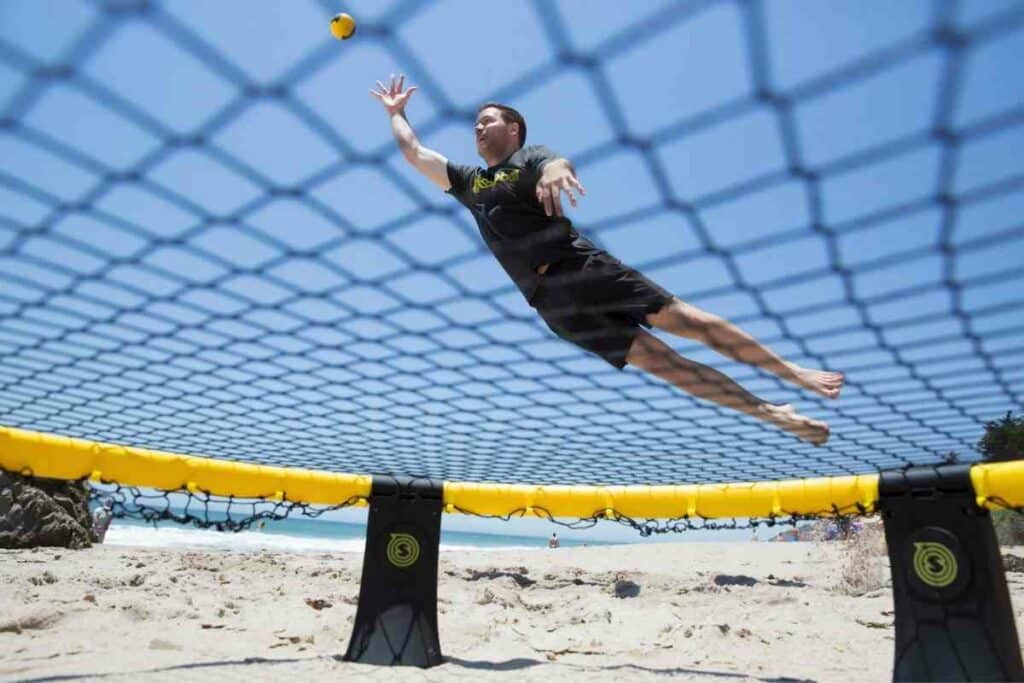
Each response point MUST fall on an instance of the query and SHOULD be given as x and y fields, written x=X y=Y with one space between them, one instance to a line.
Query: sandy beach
x=690 y=611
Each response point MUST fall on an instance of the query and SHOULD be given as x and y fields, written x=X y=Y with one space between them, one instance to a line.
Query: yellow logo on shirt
x=500 y=178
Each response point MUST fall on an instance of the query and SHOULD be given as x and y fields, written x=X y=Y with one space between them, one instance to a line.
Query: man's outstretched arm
x=428 y=162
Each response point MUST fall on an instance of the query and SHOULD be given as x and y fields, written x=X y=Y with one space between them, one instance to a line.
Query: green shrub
x=1003 y=439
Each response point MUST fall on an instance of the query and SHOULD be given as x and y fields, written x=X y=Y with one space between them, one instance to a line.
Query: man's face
x=494 y=137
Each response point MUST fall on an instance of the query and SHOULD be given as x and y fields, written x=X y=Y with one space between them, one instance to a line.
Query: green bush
x=1003 y=439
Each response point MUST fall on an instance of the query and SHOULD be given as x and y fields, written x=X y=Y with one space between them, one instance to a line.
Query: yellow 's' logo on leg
x=403 y=550
x=934 y=564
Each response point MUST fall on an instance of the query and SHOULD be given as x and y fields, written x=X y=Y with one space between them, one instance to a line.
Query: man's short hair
x=508 y=115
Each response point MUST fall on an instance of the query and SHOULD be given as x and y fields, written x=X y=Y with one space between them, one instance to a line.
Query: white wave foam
x=243 y=541
x=249 y=541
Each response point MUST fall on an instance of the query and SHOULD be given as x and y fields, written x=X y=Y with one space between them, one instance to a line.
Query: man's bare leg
x=685 y=320
x=654 y=356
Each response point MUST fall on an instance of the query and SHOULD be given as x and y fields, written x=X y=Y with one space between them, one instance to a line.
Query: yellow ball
x=343 y=26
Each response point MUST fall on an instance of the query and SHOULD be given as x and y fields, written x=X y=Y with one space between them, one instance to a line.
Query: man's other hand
x=558 y=177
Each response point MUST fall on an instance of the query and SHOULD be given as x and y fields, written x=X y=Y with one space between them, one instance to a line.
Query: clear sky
x=209 y=243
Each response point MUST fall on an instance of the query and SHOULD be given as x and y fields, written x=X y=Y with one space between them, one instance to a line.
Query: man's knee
x=643 y=350
x=650 y=354
x=679 y=317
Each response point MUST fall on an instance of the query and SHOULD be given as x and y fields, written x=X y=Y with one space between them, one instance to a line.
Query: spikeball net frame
x=344 y=350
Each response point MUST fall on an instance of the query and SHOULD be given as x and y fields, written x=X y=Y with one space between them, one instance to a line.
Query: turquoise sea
x=303 y=535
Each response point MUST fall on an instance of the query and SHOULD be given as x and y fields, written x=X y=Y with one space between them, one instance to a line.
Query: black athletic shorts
x=597 y=303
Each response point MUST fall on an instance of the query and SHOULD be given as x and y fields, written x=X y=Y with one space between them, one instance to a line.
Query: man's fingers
x=550 y=196
x=555 y=194
x=567 y=188
x=572 y=181
x=401 y=82
x=544 y=195
x=383 y=88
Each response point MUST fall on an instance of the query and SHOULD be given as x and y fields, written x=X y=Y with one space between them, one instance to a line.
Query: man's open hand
x=558 y=177
x=393 y=97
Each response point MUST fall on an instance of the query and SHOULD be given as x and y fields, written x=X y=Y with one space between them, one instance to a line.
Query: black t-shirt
x=503 y=200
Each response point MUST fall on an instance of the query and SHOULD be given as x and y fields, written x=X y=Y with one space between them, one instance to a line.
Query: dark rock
x=624 y=588
x=318 y=603
x=43 y=512
x=518 y=576
x=788 y=583
x=737 y=580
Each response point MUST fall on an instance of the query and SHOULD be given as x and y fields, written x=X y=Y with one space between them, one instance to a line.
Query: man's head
x=108 y=503
x=500 y=131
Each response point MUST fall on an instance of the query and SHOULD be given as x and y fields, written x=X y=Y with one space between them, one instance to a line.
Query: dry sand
x=123 y=614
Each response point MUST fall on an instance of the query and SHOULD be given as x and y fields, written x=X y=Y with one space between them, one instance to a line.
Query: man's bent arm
x=425 y=160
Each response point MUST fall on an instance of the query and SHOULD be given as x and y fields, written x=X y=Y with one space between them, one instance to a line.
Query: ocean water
x=299 y=536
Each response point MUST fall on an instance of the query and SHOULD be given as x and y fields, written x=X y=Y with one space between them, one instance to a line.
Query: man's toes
x=816 y=432
x=821 y=437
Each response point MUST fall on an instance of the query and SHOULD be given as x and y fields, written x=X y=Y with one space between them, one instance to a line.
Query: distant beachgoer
x=101 y=519
x=553 y=541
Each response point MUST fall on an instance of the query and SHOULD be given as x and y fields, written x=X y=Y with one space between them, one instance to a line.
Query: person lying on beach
x=585 y=295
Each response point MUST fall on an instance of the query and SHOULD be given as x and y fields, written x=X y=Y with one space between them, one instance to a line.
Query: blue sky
x=209 y=244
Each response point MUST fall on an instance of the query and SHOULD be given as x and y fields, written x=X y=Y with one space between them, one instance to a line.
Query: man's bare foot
x=827 y=384
x=787 y=419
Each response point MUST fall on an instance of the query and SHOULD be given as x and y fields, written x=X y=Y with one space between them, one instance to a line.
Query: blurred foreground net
x=161 y=287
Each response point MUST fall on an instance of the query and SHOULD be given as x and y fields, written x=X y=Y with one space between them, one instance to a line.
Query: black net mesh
x=201 y=509
x=173 y=278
